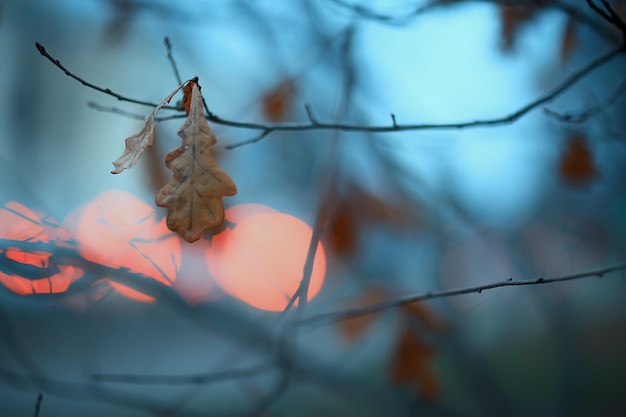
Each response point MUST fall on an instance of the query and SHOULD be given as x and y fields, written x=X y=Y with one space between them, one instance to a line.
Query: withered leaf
x=577 y=164
x=137 y=143
x=412 y=364
x=354 y=327
x=569 y=42
x=193 y=197
x=512 y=17
x=276 y=103
x=187 y=90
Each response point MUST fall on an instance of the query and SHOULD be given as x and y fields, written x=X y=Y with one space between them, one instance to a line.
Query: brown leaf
x=193 y=197
x=353 y=328
x=277 y=102
x=187 y=90
x=357 y=208
x=570 y=41
x=342 y=229
x=137 y=143
x=411 y=364
x=425 y=316
x=512 y=17
x=577 y=166
x=118 y=27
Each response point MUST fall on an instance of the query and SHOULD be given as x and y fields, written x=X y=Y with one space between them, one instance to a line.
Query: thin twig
x=408 y=17
x=170 y=57
x=385 y=305
x=131 y=115
x=319 y=125
x=584 y=115
x=38 y=405
x=191 y=379
x=608 y=14
x=255 y=139
x=314 y=124
x=57 y=63
x=115 y=110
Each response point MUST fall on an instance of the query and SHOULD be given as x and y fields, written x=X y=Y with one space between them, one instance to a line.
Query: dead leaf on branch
x=137 y=143
x=193 y=197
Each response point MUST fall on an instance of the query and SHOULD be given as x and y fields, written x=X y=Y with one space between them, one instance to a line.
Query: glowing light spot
x=261 y=259
x=31 y=272
x=120 y=231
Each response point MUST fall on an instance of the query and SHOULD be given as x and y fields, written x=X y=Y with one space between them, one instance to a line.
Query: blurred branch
x=407 y=17
x=191 y=379
x=385 y=305
x=130 y=115
x=583 y=116
x=218 y=318
x=611 y=16
x=399 y=19
x=38 y=405
x=115 y=110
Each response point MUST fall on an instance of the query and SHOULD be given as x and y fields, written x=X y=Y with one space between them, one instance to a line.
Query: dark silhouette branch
x=315 y=124
x=38 y=405
x=170 y=58
x=386 y=305
x=108 y=91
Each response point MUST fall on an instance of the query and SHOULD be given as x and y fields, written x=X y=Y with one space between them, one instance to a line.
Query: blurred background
x=539 y=194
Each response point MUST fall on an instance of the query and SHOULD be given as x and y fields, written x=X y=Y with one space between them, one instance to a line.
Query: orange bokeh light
x=120 y=231
x=31 y=272
x=261 y=259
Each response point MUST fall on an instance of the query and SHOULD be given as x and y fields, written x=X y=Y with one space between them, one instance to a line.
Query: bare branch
x=191 y=379
x=402 y=19
x=385 y=305
x=115 y=110
x=314 y=124
x=584 y=115
x=131 y=115
x=249 y=141
x=170 y=57
x=38 y=405
x=318 y=125
x=611 y=16
x=57 y=63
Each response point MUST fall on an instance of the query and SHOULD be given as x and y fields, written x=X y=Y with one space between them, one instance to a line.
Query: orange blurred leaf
x=353 y=328
x=577 y=166
x=279 y=100
x=193 y=197
x=342 y=230
x=411 y=364
x=358 y=207
x=570 y=41
x=425 y=317
x=118 y=26
x=512 y=17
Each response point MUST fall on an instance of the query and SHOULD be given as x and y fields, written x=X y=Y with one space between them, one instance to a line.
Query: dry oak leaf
x=193 y=197
x=137 y=143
